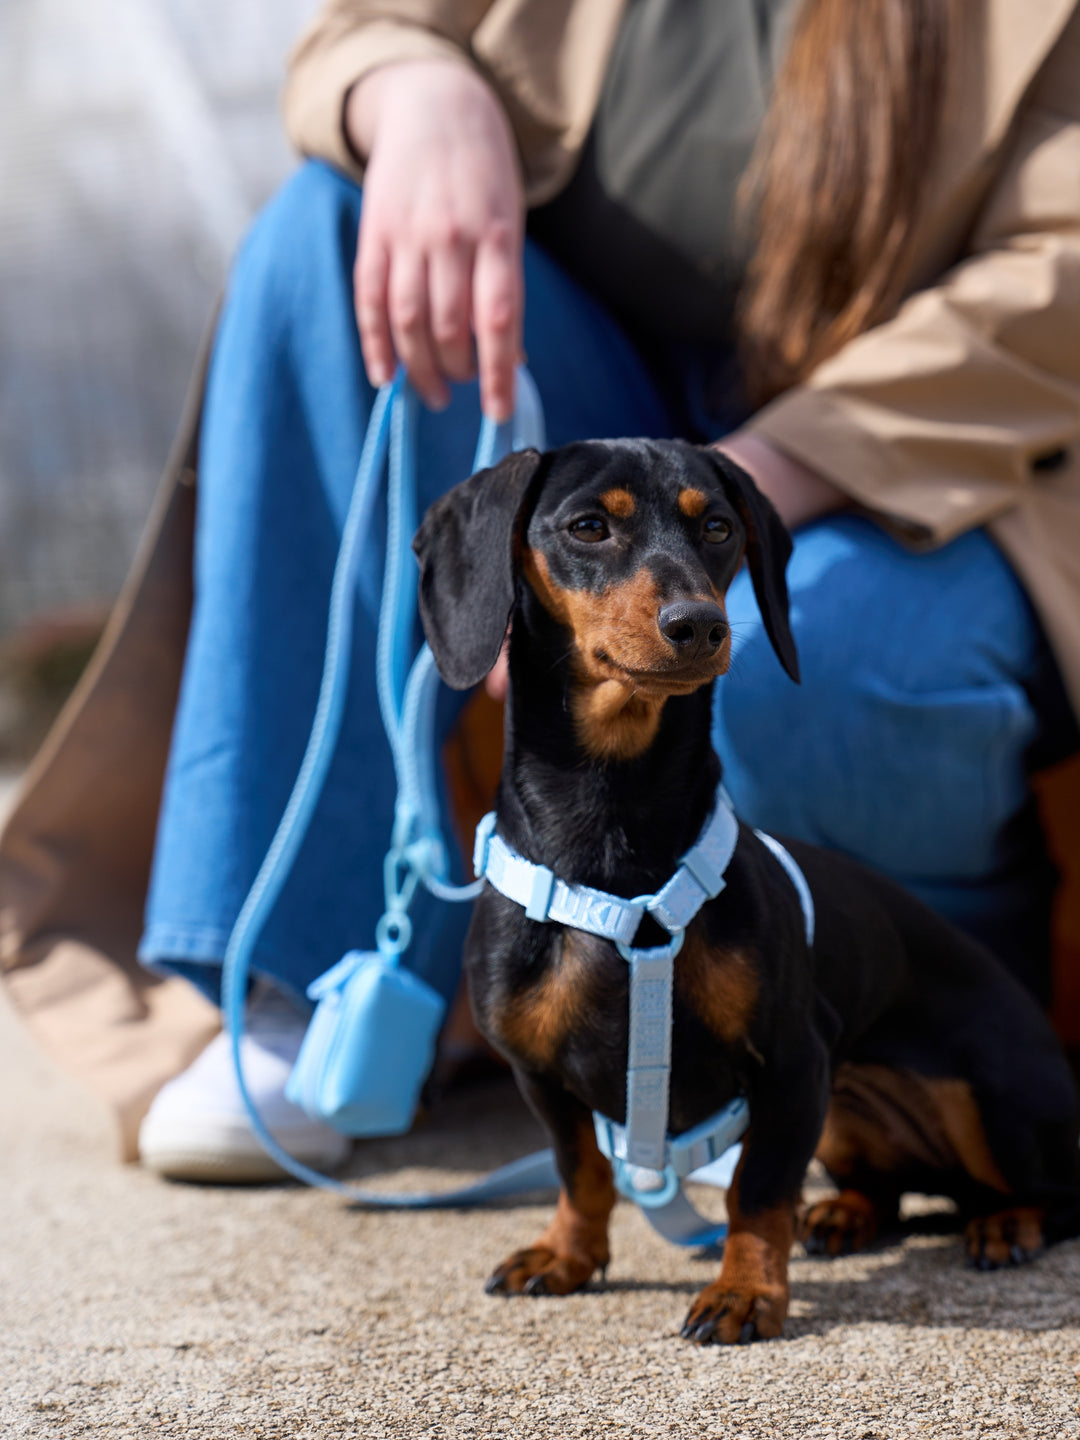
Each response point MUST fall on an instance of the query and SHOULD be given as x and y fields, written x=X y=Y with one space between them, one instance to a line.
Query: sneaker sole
x=205 y=1169
x=230 y=1164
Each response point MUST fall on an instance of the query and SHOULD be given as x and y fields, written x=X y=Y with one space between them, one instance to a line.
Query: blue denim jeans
x=906 y=744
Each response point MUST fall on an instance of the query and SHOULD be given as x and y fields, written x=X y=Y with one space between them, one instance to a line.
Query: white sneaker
x=197 y=1127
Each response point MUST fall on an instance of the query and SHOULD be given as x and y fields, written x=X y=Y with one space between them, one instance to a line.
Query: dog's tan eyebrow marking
x=618 y=502
x=692 y=502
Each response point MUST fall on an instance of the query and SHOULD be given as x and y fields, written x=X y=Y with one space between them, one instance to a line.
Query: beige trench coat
x=963 y=410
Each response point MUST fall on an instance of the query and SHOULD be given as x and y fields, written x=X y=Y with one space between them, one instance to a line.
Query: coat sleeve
x=935 y=420
x=349 y=38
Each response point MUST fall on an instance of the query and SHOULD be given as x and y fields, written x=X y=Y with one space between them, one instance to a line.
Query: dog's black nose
x=694 y=627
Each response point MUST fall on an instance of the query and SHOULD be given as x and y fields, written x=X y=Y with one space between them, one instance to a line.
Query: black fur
x=887 y=982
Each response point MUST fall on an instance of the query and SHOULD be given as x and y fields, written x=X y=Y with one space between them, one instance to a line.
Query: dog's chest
x=561 y=1007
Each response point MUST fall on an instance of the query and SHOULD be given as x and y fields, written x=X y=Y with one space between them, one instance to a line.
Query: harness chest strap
x=649 y=1166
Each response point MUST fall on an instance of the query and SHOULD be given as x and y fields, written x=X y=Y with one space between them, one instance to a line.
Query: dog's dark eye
x=717 y=531
x=589 y=528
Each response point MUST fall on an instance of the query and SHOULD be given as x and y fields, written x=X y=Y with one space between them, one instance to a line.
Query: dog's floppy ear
x=768 y=546
x=466 y=548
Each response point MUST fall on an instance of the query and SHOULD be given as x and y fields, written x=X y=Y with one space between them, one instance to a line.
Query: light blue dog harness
x=649 y=1165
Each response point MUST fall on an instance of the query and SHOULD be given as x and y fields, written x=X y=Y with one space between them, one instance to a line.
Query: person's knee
x=905 y=743
x=306 y=231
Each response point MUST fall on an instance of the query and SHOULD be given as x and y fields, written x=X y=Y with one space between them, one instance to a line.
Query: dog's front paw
x=540 y=1271
x=736 y=1316
x=1011 y=1237
x=841 y=1225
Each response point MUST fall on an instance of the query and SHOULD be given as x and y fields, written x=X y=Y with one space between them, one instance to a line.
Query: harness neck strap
x=699 y=877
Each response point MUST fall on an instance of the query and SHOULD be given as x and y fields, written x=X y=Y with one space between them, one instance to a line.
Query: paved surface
x=131 y=1307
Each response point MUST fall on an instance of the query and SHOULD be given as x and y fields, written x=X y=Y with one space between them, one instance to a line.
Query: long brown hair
x=833 y=191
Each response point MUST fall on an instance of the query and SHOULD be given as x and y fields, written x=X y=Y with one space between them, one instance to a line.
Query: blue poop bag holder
x=371 y=1041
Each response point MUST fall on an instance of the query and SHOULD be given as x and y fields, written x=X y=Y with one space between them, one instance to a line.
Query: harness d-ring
x=650 y=1199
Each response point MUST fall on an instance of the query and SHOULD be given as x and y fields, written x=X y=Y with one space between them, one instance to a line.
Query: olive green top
x=648 y=220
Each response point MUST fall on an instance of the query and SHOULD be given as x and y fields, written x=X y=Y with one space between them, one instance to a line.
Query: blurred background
x=137 y=137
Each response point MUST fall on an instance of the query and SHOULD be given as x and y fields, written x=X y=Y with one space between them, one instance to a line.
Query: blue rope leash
x=407 y=703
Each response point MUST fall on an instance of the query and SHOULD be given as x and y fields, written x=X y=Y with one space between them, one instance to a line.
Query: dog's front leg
x=749 y=1300
x=575 y=1243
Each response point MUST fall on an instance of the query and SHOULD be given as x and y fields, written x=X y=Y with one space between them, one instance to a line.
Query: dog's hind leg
x=575 y=1243
x=890 y=1129
x=1019 y=1154
x=844 y=1224
x=882 y=1127
x=1008 y=1237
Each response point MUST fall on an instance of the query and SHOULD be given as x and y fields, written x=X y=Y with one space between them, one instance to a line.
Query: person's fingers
x=371 y=275
x=497 y=681
x=410 y=325
x=498 y=302
x=450 y=303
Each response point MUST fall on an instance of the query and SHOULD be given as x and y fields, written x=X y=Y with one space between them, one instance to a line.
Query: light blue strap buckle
x=696 y=1148
x=543 y=883
x=484 y=832
x=659 y=1192
x=635 y=1182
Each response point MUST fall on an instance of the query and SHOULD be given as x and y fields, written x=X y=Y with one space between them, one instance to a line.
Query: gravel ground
x=132 y=1307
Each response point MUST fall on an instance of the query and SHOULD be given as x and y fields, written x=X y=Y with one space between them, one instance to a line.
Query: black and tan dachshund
x=895 y=1049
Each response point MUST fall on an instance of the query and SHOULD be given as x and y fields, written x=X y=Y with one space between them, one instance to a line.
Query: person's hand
x=798 y=493
x=497 y=683
x=439 y=262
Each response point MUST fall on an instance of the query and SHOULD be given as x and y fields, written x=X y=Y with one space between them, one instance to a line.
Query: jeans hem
x=199 y=945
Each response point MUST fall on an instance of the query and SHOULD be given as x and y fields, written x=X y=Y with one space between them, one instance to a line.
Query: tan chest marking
x=536 y=1021
x=611 y=722
x=721 y=986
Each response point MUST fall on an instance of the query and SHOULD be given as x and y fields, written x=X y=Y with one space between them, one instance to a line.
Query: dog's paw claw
x=733 y=1317
x=540 y=1271
x=1011 y=1237
x=842 y=1225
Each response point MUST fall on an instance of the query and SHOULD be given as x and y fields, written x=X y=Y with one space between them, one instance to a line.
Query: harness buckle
x=543 y=886
x=484 y=832
x=650 y=1196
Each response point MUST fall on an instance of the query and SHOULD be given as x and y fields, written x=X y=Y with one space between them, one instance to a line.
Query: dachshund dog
x=894 y=1048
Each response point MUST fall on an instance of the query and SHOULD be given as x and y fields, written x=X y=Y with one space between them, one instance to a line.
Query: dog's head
x=629 y=545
